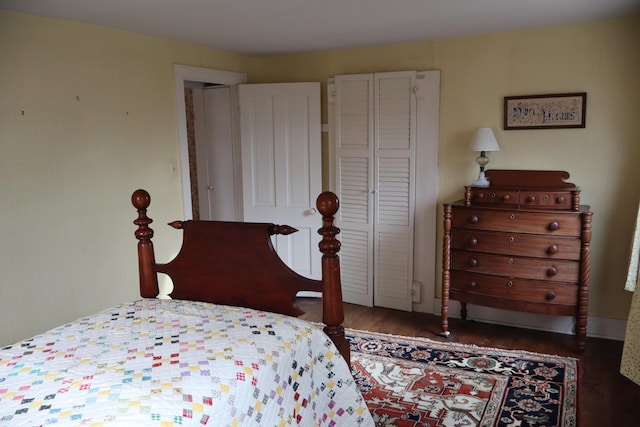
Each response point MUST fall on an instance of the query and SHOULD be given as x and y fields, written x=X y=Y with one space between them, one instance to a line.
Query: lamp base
x=482 y=181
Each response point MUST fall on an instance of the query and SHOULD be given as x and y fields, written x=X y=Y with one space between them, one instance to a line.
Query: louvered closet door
x=355 y=171
x=394 y=158
x=375 y=181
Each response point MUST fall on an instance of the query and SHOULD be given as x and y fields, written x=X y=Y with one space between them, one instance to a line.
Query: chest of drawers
x=519 y=245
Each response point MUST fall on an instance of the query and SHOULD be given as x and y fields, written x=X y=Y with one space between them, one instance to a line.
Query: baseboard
x=599 y=327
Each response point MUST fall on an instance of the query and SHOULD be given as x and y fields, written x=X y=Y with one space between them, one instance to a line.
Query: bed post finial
x=332 y=309
x=146 y=258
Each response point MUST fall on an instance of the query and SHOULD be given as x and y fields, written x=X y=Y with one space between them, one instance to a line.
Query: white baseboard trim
x=599 y=327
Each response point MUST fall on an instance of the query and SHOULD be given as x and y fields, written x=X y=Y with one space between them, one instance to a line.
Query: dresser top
x=531 y=189
x=529 y=179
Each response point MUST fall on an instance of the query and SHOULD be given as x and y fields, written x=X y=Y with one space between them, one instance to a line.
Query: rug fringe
x=457 y=345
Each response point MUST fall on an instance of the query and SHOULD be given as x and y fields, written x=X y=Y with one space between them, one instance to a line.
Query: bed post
x=146 y=258
x=332 y=309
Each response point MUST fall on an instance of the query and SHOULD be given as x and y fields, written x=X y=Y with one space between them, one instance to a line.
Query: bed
x=226 y=349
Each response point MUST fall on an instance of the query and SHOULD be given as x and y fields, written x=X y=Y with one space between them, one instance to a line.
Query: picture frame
x=550 y=111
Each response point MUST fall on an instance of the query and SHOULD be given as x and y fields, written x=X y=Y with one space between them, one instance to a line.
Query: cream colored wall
x=87 y=115
x=600 y=58
x=99 y=121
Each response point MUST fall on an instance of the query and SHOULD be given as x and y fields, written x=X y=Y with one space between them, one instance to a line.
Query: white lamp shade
x=484 y=140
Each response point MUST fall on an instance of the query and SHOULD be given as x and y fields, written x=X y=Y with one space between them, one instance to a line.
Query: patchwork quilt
x=167 y=363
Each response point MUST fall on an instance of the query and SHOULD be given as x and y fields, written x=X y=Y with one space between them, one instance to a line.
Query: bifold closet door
x=375 y=180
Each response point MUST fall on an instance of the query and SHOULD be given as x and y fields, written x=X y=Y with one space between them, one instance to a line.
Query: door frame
x=182 y=74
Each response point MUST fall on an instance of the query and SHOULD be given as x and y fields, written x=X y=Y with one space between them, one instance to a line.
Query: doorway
x=281 y=121
x=184 y=77
x=214 y=153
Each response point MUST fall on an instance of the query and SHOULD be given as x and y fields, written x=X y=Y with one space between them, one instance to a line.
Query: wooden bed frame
x=234 y=263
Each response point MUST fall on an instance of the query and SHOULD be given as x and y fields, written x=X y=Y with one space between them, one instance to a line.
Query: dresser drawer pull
x=506 y=198
x=560 y=199
x=554 y=225
x=493 y=195
x=473 y=219
x=512 y=239
x=553 y=249
x=473 y=241
x=512 y=216
x=472 y=284
x=552 y=271
x=545 y=197
x=510 y=283
x=473 y=262
x=531 y=199
x=510 y=261
x=550 y=295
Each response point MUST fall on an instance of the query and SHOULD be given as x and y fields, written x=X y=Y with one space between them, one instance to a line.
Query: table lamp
x=482 y=141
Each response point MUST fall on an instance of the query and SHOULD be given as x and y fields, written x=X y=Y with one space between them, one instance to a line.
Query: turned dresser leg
x=446 y=272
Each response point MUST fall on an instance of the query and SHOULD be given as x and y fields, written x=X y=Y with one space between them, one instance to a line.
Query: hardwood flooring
x=607 y=398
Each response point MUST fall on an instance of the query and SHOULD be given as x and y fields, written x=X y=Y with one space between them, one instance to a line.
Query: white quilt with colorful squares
x=179 y=363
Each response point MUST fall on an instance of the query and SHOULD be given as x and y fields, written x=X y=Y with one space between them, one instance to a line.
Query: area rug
x=419 y=382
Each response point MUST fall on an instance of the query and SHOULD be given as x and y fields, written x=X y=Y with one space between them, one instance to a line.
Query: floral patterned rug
x=419 y=382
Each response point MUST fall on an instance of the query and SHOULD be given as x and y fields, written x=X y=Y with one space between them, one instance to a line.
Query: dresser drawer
x=494 y=197
x=530 y=245
x=514 y=221
x=555 y=270
x=545 y=200
x=515 y=289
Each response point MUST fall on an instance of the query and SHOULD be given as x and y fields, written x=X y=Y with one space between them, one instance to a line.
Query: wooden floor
x=607 y=398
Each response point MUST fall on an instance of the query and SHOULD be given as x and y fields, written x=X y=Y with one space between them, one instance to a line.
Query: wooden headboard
x=234 y=263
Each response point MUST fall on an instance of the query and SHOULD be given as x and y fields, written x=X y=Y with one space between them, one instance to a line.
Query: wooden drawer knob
x=506 y=197
x=473 y=262
x=473 y=219
x=560 y=199
x=531 y=199
x=554 y=225
x=553 y=249
x=472 y=284
x=473 y=241
x=552 y=271
x=550 y=295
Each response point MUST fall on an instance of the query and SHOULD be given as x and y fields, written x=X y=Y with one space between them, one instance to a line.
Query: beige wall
x=99 y=121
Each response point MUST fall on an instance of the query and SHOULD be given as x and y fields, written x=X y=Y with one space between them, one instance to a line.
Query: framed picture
x=553 y=111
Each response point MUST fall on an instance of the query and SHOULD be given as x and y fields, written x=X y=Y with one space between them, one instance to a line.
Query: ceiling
x=273 y=27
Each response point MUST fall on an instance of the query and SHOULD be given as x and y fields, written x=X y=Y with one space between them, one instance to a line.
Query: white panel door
x=282 y=166
x=216 y=153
